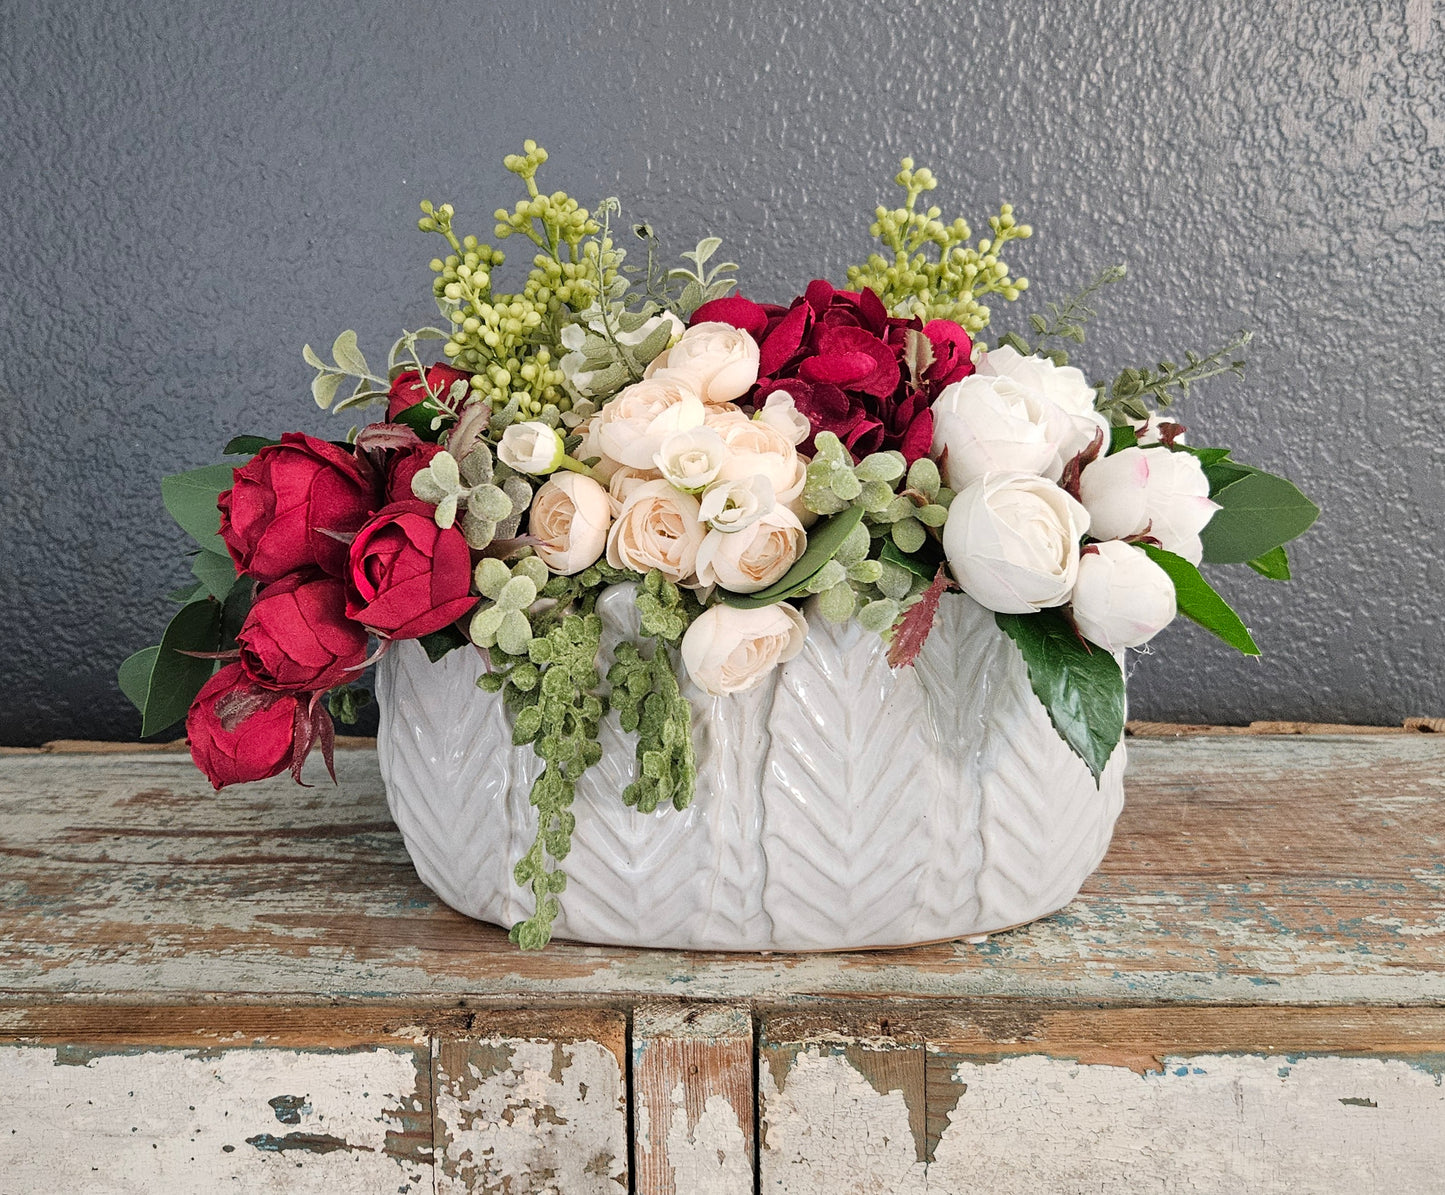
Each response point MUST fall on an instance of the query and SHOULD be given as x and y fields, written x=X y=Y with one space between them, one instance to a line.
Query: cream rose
x=754 y=557
x=658 y=528
x=1152 y=492
x=690 y=459
x=531 y=448
x=730 y=651
x=1121 y=598
x=1012 y=541
x=718 y=361
x=570 y=515
x=623 y=481
x=758 y=448
x=632 y=426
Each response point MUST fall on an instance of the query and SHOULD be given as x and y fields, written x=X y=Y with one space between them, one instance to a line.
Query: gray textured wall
x=193 y=190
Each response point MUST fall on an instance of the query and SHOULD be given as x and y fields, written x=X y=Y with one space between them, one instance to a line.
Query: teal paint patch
x=290 y=1109
x=1358 y=1101
x=315 y=1143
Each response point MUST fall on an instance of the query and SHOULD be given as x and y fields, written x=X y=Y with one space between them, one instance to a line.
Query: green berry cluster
x=948 y=283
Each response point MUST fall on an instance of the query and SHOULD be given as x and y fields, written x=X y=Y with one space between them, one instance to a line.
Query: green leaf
x=1259 y=513
x=439 y=643
x=191 y=499
x=1274 y=564
x=234 y=608
x=174 y=679
x=1122 y=437
x=186 y=593
x=1206 y=456
x=215 y=572
x=1197 y=600
x=324 y=387
x=824 y=539
x=247 y=445
x=419 y=417
x=918 y=567
x=1223 y=474
x=347 y=355
x=135 y=674
x=1081 y=688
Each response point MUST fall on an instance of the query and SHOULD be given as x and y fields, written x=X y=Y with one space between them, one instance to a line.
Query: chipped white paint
x=532 y=1116
x=1207 y=1125
x=182 y=1122
x=710 y=1156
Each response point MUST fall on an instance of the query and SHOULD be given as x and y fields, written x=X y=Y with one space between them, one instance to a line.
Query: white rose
x=1121 y=598
x=632 y=427
x=718 y=361
x=781 y=412
x=1012 y=541
x=623 y=481
x=729 y=506
x=657 y=529
x=569 y=515
x=729 y=651
x=759 y=448
x=1156 y=492
x=531 y=448
x=1062 y=385
x=996 y=425
x=690 y=459
x=752 y=558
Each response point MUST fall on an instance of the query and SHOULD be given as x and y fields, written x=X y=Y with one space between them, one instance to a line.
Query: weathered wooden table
x=253 y=992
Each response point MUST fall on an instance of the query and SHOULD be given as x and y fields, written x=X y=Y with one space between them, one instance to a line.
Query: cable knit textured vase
x=841 y=804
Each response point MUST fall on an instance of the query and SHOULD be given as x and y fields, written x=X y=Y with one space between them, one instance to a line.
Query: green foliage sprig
x=1063 y=321
x=1125 y=398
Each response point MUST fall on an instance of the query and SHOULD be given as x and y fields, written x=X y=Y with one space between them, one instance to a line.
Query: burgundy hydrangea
x=850 y=367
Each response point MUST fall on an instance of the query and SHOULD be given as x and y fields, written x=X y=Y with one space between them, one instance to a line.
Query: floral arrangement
x=611 y=422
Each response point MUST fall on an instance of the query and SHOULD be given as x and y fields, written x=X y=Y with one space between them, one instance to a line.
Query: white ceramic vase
x=840 y=805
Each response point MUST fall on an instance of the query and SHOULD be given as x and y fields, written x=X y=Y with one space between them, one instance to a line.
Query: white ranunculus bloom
x=1121 y=598
x=531 y=448
x=718 y=361
x=1012 y=541
x=1153 y=492
x=759 y=448
x=633 y=425
x=996 y=425
x=729 y=651
x=753 y=558
x=690 y=459
x=657 y=528
x=729 y=506
x=780 y=411
x=570 y=515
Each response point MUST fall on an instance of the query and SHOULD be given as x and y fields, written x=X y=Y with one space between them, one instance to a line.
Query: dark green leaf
x=1223 y=474
x=1259 y=512
x=191 y=499
x=135 y=675
x=1122 y=437
x=234 y=609
x=187 y=593
x=215 y=572
x=914 y=564
x=419 y=417
x=1081 y=688
x=439 y=643
x=175 y=679
x=824 y=539
x=1274 y=564
x=247 y=445
x=1198 y=601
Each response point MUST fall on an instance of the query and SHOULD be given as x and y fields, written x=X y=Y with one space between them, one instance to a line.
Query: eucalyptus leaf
x=309 y=355
x=323 y=388
x=216 y=573
x=1258 y=513
x=347 y=355
x=191 y=499
x=1198 y=601
x=824 y=539
x=174 y=679
x=1081 y=688
x=1274 y=564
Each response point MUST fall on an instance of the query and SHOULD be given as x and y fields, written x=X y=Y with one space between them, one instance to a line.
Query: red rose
x=239 y=731
x=276 y=516
x=408 y=577
x=297 y=635
x=405 y=464
x=407 y=389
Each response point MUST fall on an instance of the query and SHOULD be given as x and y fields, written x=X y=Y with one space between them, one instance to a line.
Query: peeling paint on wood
x=692 y=1083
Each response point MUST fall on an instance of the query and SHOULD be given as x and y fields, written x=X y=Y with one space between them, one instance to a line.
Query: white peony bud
x=759 y=448
x=752 y=558
x=1121 y=598
x=570 y=516
x=690 y=459
x=729 y=651
x=1153 y=492
x=729 y=506
x=1012 y=541
x=531 y=448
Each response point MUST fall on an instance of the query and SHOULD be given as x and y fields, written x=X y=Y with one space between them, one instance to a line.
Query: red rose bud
x=405 y=464
x=408 y=577
x=407 y=389
x=297 y=635
x=239 y=731
x=287 y=506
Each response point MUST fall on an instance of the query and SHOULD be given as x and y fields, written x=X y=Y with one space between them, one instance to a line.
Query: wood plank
x=543 y=1112
x=1021 y=1098
x=1244 y=869
x=692 y=1093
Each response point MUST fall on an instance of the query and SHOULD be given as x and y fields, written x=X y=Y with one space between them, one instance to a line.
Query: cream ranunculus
x=729 y=506
x=658 y=528
x=759 y=448
x=570 y=515
x=995 y=425
x=690 y=459
x=782 y=412
x=752 y=558
x=591 y=449
x=1012 y=541
x=1153 y=492
x=718 y=361
x=633 y=425
x=729 y=651
x=531 y=448
x=623 y=481
x=1121 y=598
